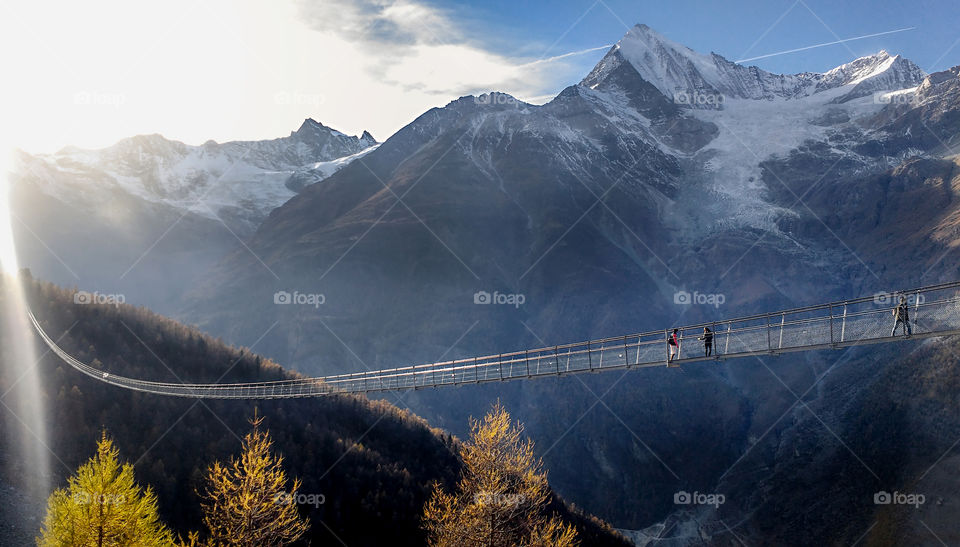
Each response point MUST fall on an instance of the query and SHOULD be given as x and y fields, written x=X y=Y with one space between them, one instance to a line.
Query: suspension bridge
x=933 y=311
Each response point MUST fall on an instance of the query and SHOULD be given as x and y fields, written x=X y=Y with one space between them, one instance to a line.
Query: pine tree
x=502 y=494
x=246 y=502
x=103 y=506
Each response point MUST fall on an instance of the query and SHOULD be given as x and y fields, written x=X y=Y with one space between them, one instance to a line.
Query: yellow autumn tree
x=103 y=506
x=502 y=495
x=246 y=503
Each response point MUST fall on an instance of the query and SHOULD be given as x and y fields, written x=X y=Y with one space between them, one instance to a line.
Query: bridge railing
x=858 y=321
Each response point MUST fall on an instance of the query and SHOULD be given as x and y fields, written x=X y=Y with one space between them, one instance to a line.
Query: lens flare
x=23 y=407
x=8 y=252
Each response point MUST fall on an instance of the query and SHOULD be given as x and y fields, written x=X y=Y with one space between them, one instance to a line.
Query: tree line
x=501 y=499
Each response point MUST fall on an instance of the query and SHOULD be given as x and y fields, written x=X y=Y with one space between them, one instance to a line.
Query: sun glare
x=8 y=251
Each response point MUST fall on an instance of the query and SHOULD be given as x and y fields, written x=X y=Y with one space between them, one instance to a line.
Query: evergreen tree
x=103 y=506
x=246 y=502
x=502 y=495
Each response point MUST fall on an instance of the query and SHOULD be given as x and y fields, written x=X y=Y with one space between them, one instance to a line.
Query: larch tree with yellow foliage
x=502 y=496
x=246 y=502
x=103 y=506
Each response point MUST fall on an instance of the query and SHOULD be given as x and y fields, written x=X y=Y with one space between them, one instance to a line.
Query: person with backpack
x=902 y=315
x=707 y=341
x=673 y=342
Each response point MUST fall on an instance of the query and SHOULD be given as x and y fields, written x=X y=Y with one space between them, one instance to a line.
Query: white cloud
x=242 y=69
x=422 y=48
x=392 y=24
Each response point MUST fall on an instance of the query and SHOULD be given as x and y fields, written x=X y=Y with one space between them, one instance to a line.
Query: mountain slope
x=370 y=463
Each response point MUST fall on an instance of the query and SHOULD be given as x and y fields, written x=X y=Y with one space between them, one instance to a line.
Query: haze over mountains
x=664 y=169
x=148 y=214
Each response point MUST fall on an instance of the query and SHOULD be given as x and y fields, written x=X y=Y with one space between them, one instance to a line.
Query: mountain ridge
x=169 y=172
x=148 y=216
x=674 y=68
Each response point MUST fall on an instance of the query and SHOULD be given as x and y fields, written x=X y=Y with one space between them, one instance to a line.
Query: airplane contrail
x=824 y=44
x=571 y=54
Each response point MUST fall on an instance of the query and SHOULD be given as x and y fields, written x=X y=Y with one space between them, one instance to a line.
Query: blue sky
x=735 y=29
x=194 y=70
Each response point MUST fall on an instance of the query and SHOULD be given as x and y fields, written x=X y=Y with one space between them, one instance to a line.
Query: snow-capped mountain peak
x=878 y=72
x=367 y=140
x=676 y=69
x=311 y=126
x=238 y=181
x=666 y=64
x=860 y=69
x=728 y=107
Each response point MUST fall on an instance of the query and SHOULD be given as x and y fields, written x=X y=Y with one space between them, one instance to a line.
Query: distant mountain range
x=673 y=69
x=148 y=214
x=240 y=181
x=662 y=170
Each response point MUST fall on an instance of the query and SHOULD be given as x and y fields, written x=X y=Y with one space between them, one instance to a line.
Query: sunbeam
x=23 y=405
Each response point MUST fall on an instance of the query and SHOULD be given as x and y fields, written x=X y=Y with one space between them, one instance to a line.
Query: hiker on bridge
x=673 y=341
x=707 y=341
x=902 y=314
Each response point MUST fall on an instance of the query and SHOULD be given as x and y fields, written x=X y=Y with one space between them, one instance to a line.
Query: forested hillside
x=370 y=463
